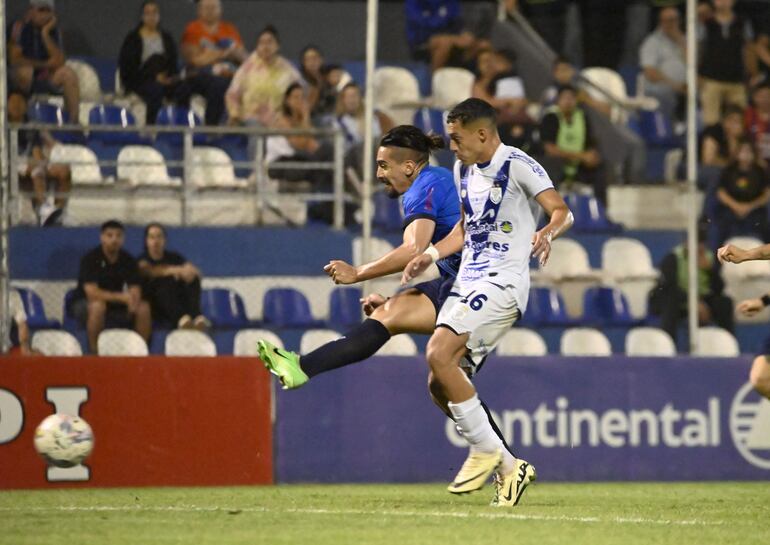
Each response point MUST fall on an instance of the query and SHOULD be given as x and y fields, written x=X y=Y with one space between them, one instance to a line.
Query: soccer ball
x=63 y=440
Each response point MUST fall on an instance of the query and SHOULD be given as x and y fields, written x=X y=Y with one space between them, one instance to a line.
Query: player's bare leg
x=760 y=375
x=408 y=312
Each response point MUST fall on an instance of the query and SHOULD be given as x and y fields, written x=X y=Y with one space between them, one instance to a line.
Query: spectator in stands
x=109 y=291
x=547 y=17
x=148 y=61
x=172 y=285
x=498 y=83
x=726 y=58
x=757 y=120
x=662 y=58
x=569 y=145
x=19 y=328
x=36 y=172
x=565 y=74
x=36 y=58
x=295 y=114
x=321 y=94
x=669 y=298
x=212 y=49
x=434 y=30
x=719 y=142
x=743 y=194
x=257 y=89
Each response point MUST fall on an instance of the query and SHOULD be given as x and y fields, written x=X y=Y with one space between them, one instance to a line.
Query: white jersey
x=501 y=217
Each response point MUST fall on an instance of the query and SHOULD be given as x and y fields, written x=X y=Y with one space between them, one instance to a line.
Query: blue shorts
x=437 y=290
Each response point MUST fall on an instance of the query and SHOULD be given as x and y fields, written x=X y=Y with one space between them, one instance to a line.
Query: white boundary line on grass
x=384 y=513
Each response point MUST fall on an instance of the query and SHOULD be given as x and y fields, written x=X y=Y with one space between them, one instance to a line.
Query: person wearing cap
x=36 y=57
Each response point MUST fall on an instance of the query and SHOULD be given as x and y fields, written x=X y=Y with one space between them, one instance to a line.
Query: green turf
x=595 y=514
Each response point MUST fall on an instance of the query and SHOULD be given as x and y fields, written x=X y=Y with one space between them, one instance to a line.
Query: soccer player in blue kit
x=431 y=210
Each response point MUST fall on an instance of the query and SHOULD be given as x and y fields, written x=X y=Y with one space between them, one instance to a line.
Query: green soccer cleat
x=283 y=364
x=510 y=487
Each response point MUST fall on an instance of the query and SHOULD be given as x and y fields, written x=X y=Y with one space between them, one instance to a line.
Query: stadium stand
x=56 y=343
x=521 y=342
x=584 y=341
x=187 y=342
x=121 y=342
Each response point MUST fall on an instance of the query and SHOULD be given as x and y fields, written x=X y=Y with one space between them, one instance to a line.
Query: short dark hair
x=111 y=224
x=733 y=109
x=147 y=232
x=561 y=60
x=269 y=29
x=411 y=138
x=566 y=88
x=470 y=110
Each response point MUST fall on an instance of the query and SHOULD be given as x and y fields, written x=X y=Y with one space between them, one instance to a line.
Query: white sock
x=472 y=420
x=509 y=460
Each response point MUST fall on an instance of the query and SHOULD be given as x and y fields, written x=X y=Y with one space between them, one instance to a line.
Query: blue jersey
x=433 y=195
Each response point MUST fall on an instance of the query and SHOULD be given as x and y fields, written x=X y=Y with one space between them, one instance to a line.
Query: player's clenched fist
x=371 y=302
x=731 y=254
x=416 y=267
x=341 y=272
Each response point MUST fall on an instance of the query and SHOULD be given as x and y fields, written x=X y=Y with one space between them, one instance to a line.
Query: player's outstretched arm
x=450 y=244
x=732 y=254
x=561 y=221
x=417 y=237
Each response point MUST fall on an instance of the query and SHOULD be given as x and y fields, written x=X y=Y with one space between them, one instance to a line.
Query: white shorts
x=484 y=310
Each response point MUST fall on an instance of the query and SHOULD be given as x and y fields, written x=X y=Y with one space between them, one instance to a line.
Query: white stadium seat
x=55 y=342
x=716 y=342
x=212 y=167
x=396 y=93
x=398 y=345
x=121 y=342
x=83 y=163
x=245 y=343
x=585 y=341
x=188 y=342
x=568 y=260
x=627 y=263
x=521 y=342
x=649 y=342
x=144 y=165
x=315 y=338
x=451 y=86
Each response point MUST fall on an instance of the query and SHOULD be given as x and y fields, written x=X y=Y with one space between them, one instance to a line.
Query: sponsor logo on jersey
x=506 y=227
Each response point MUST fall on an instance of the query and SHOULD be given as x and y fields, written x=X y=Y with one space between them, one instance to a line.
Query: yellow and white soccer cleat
x=475 y=471
x=510 y=487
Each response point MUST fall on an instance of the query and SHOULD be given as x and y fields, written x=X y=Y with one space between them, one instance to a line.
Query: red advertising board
x=156 y=421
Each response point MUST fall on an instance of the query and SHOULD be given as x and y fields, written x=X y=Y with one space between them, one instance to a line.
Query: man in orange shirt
x=212 y=50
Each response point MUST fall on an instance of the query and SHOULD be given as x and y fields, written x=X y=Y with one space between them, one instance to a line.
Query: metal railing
x=256 y=185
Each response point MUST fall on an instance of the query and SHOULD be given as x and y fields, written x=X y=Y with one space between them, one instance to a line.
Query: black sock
x=358 y=344
x=497 y=430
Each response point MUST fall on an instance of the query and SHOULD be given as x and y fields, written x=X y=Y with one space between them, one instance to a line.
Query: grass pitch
x=596 y=514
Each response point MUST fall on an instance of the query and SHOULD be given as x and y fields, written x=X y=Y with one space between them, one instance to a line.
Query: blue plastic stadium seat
x=287 y=307
x=430 y=120
x=387 y=213
x=224 y=307
x=108 y=114
x=546 y=307
x=177 y=116
x=590 y=215
x=70 y=323
x=43 y=112
x=344 y=307
x=33 y=306
x=607 y=306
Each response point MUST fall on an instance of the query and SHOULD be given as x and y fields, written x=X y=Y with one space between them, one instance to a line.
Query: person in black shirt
x=109 y=289
x=719 y=142
x=743 y=195
x=148 y=61
x=172 y=284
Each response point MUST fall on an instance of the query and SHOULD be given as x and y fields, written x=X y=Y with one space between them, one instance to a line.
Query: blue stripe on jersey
x=489 y=216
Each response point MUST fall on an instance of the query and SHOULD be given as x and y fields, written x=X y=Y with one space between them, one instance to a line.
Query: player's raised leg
x=409 y=311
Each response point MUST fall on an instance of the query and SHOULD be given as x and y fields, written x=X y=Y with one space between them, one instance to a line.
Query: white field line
x=367 y=512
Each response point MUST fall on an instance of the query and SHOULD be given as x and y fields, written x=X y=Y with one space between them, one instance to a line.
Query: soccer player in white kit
x=503 y=192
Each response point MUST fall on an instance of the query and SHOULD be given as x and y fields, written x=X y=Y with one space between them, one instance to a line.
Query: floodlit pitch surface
x=627 y=513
